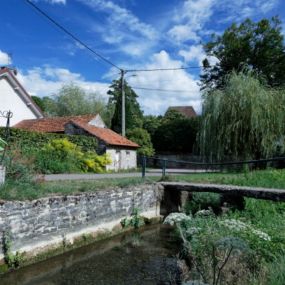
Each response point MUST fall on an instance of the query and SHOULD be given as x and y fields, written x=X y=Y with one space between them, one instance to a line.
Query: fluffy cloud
x=239 y=10
x=46 y=81
x=190 y=19
x=56 y=1
x=4 y=58
x=123 y=28
x=196 y=54
x=156 y=102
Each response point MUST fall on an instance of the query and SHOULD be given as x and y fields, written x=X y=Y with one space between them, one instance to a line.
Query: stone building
x=122 y=151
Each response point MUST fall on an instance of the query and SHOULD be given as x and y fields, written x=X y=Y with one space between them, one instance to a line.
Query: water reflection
x=145 y=257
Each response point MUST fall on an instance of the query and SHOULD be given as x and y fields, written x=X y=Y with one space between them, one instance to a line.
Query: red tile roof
x=51 y=125
x=57 y=124
x=187 y=111
x=104 y=134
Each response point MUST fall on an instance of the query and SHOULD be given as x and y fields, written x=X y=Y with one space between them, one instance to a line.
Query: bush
x=143 y=139
x=63 y=156
x=26 y=140
x=203 y=201
x=19 y=168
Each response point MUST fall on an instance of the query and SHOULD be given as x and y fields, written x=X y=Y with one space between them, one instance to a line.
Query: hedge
x=26 y=139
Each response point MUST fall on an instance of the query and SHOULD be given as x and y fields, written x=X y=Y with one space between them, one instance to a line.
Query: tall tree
x=134 y=115
x=245 y=120
x=73 y=100
x=176 y=133
x=141 y=137
x=254 y=46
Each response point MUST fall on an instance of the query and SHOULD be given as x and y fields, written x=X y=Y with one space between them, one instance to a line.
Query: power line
x=162 y=90
x=164 y=69
x=70 y=34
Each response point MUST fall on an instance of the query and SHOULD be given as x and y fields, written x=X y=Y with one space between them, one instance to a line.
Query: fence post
x=163 y=167
x=143 y=165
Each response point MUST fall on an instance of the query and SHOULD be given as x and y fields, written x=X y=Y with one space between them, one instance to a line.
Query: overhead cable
x=163 y=90
x=75 y=38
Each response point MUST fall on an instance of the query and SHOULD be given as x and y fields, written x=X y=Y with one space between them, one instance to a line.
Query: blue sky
x=131 y=33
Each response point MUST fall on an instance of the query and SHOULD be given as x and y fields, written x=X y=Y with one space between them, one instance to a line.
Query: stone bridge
x=177 y=193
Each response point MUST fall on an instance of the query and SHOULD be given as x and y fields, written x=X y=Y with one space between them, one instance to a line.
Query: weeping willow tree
x=245 y=120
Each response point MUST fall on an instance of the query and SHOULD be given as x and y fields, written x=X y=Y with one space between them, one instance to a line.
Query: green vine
x=12 y=260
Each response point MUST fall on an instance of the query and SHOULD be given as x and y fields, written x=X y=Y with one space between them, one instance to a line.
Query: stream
x=142 y=257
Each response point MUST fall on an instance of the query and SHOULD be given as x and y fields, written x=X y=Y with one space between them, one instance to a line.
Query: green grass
x=270 y=178
x=30 y=191
x=17 y=190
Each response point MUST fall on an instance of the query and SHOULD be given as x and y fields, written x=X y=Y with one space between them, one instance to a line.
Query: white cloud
x=239 y=10
x=46 y=81
x=156 y=102
x=123 y=28
x=5 y=59
x=196 y=54
x=56 y=1
x=190 y=19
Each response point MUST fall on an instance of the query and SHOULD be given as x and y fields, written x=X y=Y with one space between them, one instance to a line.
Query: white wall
x=121 y=159
x=10 y=100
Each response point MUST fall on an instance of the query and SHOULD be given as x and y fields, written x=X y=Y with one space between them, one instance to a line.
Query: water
x=145 y=257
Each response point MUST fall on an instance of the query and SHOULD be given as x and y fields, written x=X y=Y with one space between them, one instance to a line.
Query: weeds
x=12 y=260
x=134 y=221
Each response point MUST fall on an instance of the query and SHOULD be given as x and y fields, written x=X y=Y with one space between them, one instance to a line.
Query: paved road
x=57 y=177
x=93 y=176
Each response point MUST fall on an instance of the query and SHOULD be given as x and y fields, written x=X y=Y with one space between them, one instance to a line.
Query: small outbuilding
x=122 y=151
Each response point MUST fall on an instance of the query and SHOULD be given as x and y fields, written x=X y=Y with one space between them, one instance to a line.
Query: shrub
x=203 y=201
x=143 y=139
x=63 y=156
x=26 y=140
x=19 y=168
x=95 y=163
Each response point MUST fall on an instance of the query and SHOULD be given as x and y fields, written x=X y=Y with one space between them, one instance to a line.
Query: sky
x=132 y=34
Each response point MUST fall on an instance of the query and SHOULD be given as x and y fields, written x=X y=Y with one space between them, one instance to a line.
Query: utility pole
x=123 y=72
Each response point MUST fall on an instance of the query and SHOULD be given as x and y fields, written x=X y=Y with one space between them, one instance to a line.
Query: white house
x=14 y=98
x=122 y=151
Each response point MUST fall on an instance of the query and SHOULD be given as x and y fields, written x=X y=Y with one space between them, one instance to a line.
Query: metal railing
x=234 y=166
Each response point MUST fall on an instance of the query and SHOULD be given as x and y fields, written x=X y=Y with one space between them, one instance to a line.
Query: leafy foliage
x=257 y=46
x=243 y=121
x=134 y=115
x=62 y=156
x=72 y=100
x=26 y=140
x=2 y=145
x=12 y=260
x=134 y=221
x=175 y=133
x=141 y=137
x=151 y=124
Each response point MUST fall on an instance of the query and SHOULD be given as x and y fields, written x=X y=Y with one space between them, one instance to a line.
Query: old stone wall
x=43 y=222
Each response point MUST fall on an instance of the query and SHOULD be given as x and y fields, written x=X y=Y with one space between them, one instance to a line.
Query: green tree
x=141 y=137
x=255 y=46
x=72 y=100
x=244 y=120
x=39 y=101
x=134 y=115
x=151 y=124
x=176 y=133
